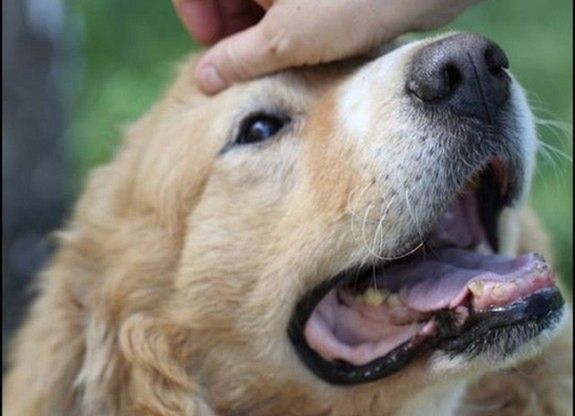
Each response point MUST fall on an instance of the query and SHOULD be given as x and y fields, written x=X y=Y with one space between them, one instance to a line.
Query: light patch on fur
x=358 y=98
x=355 y=108
x=527 y=133
x=440 y=399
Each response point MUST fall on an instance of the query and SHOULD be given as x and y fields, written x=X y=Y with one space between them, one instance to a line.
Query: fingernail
x=211 y=79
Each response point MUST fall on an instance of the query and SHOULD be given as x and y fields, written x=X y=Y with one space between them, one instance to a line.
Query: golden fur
x=176 y=276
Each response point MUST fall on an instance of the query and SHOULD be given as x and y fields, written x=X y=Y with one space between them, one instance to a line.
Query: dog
x=346 y=239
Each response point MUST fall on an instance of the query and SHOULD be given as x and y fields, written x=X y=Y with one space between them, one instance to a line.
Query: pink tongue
x=442 y=276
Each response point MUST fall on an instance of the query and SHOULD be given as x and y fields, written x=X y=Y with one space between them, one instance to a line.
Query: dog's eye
x=259 y=127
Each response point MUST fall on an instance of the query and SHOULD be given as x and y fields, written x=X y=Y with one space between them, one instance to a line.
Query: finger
x=201 y=18
x=245 y=55
x=238 y=15
x=264 y=4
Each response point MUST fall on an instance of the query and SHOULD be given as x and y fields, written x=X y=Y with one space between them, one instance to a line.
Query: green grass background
x=130 y=49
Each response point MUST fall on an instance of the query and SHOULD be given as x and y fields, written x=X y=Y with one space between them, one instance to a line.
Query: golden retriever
x=347 y=239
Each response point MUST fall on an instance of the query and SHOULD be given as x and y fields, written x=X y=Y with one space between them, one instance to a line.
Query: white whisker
x=413 y=216
x=550 y=148
x=363 y=238
x=379 y=228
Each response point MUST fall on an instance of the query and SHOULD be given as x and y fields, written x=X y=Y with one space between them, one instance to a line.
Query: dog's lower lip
x=545 y=304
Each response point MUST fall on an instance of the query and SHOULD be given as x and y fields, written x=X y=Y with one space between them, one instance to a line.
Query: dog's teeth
x=378 y=297
x=498 y=291
x=476 y=288
x=483 y=248
x=373 y=297
x=393 y=301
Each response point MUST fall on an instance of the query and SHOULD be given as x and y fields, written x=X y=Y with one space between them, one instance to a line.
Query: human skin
x=251 y=38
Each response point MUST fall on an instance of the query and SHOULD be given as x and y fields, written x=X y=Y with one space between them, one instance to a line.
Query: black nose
x=464 y=73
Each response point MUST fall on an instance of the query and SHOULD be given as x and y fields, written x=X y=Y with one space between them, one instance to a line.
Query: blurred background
x=75 y=72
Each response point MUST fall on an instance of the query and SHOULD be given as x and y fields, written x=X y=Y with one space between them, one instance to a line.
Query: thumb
x=256 y=51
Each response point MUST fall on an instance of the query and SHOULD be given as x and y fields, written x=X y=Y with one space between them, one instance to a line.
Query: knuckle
x=278 y=43
x=235 y=68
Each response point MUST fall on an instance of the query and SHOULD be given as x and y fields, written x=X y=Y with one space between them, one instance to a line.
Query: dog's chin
x=453 y=300
x=499 y=348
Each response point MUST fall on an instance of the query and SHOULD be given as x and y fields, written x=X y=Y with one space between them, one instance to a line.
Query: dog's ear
x=116 y=257
x=44 y=359
x=129 y=362
x=98 y=355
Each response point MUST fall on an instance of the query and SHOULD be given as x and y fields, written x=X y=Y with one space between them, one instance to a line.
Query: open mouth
x=453 y=293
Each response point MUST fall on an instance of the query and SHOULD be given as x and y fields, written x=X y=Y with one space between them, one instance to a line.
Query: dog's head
x=345 y=233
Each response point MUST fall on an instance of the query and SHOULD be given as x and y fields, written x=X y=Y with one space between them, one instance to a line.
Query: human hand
x=257 y=37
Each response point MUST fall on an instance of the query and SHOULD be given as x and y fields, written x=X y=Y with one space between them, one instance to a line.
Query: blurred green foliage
x=131 y=48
